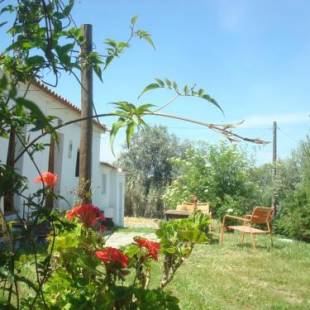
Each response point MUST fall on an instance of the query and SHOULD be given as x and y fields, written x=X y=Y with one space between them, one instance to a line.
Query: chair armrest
x=243 y=219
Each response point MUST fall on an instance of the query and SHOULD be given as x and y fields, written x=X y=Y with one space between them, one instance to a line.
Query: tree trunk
x=9 y=196
x=51 y=168
x=84 y=190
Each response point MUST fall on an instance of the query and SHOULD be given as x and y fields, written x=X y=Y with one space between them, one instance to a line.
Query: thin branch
x=168 y=103
x=58 y=127
x=220 y=128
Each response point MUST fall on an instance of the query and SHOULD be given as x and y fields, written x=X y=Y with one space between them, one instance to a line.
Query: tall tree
x=149 y=164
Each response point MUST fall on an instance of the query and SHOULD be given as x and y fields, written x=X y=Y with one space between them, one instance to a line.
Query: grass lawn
x=235 y=277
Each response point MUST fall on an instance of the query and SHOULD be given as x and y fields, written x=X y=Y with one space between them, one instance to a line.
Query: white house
x=107 y=181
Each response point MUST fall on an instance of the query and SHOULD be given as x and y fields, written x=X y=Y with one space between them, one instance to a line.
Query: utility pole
x=85 y=164
x=274 y=164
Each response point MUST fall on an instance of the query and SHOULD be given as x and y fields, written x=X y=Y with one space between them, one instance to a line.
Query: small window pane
x=77 y=164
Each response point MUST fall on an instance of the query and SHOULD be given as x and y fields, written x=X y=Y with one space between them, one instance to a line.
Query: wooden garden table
x=177 y=214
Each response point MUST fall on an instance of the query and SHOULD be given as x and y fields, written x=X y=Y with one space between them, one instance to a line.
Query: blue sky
x=253 y=57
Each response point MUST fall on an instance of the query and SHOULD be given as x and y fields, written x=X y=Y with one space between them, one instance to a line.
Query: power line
x=288 y=136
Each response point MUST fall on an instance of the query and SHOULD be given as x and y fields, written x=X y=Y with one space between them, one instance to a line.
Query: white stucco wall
x=3 y=147
x=70 y=135
x=112 y=202
x=68 y=182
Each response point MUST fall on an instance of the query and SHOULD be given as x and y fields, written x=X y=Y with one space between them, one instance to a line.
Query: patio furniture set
x=257 y=223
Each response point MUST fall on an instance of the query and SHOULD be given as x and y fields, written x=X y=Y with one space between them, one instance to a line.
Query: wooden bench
x=186 y=209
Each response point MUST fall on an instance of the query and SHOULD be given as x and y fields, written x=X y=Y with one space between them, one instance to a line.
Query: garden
x=72 y=258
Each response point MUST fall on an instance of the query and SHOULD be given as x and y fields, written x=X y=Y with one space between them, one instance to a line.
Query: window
x=104 y=184
x=70 y=149
x=77 y=164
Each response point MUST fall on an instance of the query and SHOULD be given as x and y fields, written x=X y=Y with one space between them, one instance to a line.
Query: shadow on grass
x=213 y=238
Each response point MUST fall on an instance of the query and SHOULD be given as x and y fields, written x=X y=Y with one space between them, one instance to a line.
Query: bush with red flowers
x=112 y=256
x=49 y=179
x=88 y=214
x=151 y=246
x=87 y=272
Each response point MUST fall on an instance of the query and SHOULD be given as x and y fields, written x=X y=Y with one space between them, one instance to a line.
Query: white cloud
x=259 y=121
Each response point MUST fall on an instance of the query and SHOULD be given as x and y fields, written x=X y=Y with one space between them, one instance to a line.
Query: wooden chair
x=185 y=209
x=204 y=207
x=188 y=207
x=260 y=215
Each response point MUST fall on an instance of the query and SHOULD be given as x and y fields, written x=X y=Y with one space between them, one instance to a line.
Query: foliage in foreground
x=87 y=275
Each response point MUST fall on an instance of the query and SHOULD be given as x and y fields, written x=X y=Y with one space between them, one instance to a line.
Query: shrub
x=218 y=174
x=88 y=275
x=294 y=217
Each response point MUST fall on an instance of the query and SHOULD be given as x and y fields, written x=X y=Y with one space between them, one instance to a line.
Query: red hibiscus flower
x=88 y=214
x=112 y=256
x=49 y=179
x=151 y=246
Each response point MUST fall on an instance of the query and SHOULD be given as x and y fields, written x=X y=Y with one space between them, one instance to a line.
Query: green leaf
x=133 y=20
x=200 y=92
x=129 y=132
x=108 y=61
x=30 y=105
x=63 y=53
x=98 y=71
x=8 y=8
x=175 y=86
x=160 y=82
x=26 y=44
x=144 y=108
x=65 y=49
x=76 y=34
x=35 y=61
x=149 y=87
x=186 y=90
x=66 y=11
x=169 y=250
x=150 y=41
x=168 y=83
x=114 y=130
x=146 y=36
x=213 y=101
x=3 y=83
x=40 y=120
x=111 y=42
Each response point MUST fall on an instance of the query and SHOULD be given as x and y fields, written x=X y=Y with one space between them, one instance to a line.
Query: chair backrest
x=261 y=215
x=203 y=207
x=189 y=207
x=180 y=207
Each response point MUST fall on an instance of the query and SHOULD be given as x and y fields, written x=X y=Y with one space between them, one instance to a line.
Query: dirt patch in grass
x=138 y=222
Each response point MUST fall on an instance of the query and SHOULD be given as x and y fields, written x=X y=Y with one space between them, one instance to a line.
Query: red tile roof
x=119 y=169
x=65 y=102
